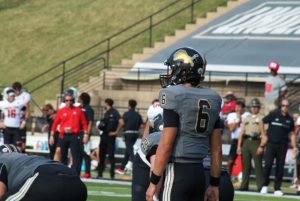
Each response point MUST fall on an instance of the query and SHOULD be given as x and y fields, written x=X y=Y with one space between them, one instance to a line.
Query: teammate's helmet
x=4 y=93
x=155 y=116
x=8 y=148
x=186 y=65
x=255 y=102
x=274 y=66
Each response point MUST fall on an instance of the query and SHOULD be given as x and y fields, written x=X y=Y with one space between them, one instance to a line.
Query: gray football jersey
x=272 y=87
x=198 y=110
x=149 y=144
x=21 y=166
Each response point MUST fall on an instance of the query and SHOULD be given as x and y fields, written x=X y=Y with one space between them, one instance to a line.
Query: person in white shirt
x=12 y=111
x=24 y=97
x=234 y=121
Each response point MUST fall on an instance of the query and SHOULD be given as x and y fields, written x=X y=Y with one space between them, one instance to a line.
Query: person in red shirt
x=71 y=120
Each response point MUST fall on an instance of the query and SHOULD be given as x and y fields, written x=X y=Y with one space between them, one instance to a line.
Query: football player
x=24 y=97
x=191 y=118
x=12 y=112
x=143 y=160
x=35 y=178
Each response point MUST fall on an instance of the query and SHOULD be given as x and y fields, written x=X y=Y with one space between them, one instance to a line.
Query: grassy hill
x=36 y=34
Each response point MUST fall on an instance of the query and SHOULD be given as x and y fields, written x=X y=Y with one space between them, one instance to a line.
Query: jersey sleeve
x=267 y=119
x=27 y=97
x=298 y=122
x=167 y=99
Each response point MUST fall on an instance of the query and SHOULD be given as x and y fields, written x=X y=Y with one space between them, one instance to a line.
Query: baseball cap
x=274 y=66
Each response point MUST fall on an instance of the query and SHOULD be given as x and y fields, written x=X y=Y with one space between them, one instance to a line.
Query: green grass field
x=117 y=192
x=36 y=34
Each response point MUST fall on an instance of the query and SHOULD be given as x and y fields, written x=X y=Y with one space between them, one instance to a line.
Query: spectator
x=191 y=119
x=12 y=110
x=229 y=104
x=85 y=100
x=50 y=116
x=24 y=97
x=250 y=145
x=131 y=122
x=234 y=120
x=274 y=87
x=107 y=144
x=42 y=179
x=280 y=125
x=71 y=119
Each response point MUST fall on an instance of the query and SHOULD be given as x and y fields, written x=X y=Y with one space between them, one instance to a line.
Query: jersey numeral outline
x=12 y=113
x=163 y=99
x=202 y=117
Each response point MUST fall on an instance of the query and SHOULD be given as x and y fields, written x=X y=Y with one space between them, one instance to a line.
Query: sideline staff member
x=281 y=124
x=42 y=179
x=131 y=121
x=251 y=145
x=71 y=119
x=108 y=138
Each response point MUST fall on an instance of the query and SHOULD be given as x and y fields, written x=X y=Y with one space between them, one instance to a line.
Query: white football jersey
x=12 y=112
x=24 y=97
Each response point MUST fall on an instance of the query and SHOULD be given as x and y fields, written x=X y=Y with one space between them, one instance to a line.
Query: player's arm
x=159 y=185
x=3 y=180
x=240 y=142
x=164 y=150
x=232 y=123
x=216 y=153
x=146 y=129
x=212 y=192
x=264 y=137
x=121 y=124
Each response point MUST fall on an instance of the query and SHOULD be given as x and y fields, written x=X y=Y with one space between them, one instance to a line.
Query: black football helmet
x=185 y=65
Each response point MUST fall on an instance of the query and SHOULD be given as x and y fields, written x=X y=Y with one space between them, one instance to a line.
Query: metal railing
x=105 y=47
x=293 y=94
x=247 y=83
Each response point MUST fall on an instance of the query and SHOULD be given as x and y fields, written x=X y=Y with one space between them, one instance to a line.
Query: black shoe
x=99 y=177
x=243 y=189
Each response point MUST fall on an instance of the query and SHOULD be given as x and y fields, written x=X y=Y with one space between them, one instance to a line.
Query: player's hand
x=51 y=140
x=150 y=192
x=295 y=150
x=85 y=139
x=212 y=193
x=239 y=150
x=22 y=126
x=112 y=133
x=259 y=151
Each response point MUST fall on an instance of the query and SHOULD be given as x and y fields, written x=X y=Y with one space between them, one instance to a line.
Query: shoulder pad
x=167 y=98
